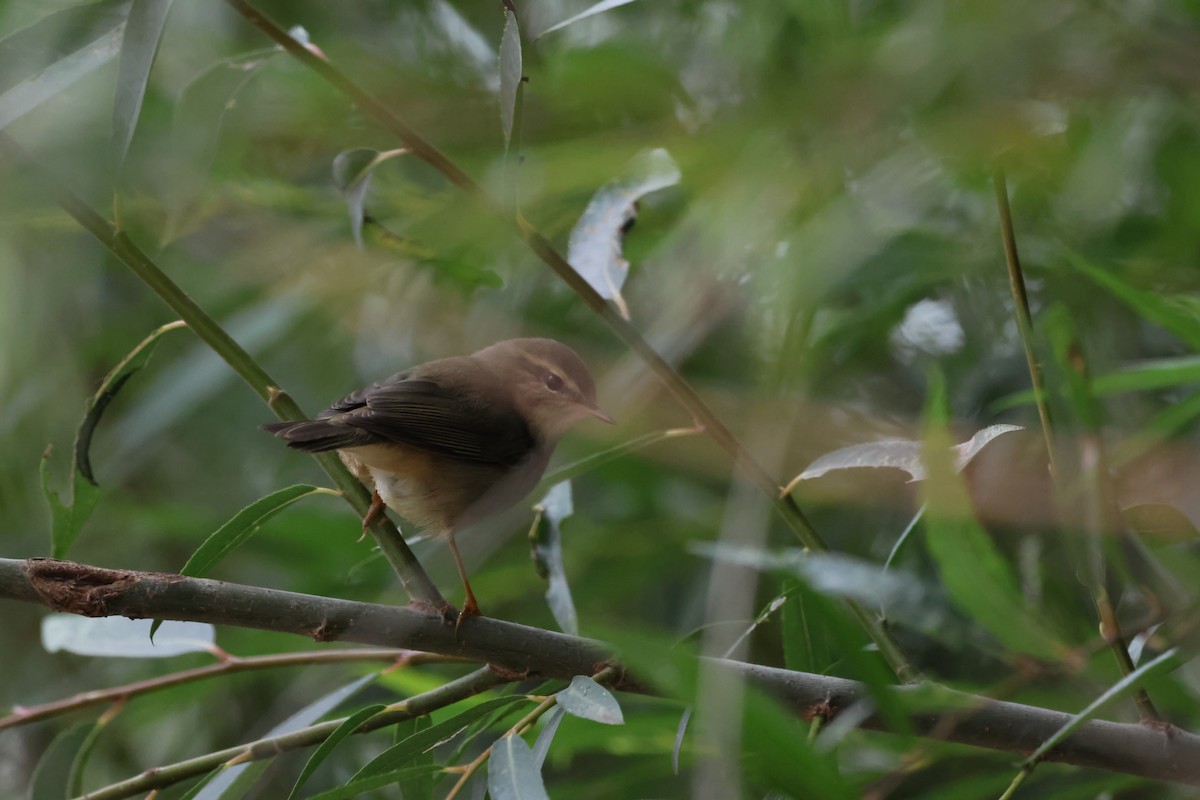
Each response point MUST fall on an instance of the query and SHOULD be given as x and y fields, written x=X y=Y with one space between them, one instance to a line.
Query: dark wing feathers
x=444 y=414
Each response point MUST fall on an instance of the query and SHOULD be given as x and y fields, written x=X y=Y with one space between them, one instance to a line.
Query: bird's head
x=550 y=384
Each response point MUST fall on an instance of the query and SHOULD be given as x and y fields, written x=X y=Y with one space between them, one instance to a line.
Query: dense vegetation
x=823 y=256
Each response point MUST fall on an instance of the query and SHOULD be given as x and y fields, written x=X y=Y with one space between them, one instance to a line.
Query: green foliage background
x=834 y=238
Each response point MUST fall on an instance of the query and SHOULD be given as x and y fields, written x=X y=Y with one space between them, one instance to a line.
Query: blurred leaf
x=975 y=574
x=326 y=747
x=808 y=645
x=200 y=784
x=96 y=30
x=1160 y=520
x=541 y=747
x=845 y=577
x=143 y=31
x=52 y=775
x=902 y=454
x=1165 y=373
x=1163 y=663
x=594 y=248
x=1179 y=314
x=360 y=785
x=352 y=175
x=548 y=556
x=68 y=519
x=589 y=700
x=397 y=755
x=119 y=637
x=510 y=72
x=603 y=5
x=196 y=129
x=513 y=773
x=241 y=775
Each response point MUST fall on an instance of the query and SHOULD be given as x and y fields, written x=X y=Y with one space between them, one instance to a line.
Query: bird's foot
x=470 y=609
x=373 y=513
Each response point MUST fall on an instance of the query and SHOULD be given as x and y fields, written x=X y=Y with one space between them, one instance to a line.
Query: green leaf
x=239 y=776
x=589 y=700
x=975 y=574
x=243 y=525
x=548 y=555
x=513 y=773
x=358 y=786
x=89 y=35
x=200 y=784
x=1160 y=520
x=351 y=724
x=397 y=755
x=53 y=773
x=1163 y=663
x=139 y=45
x=1179 y=314
x=413 y=787
x=68 y=517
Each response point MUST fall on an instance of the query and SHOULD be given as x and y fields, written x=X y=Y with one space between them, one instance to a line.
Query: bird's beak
x=600 y=415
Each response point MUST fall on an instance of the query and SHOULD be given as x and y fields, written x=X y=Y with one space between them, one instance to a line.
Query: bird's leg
x=470 y=607
x=372 y=513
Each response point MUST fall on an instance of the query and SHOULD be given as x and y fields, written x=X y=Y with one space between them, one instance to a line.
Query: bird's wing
x=442 y=413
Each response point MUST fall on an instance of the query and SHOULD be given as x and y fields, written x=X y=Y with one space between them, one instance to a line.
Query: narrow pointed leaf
x=510 y=72
x=52 y=774
x=143 y=31
x=397 y=756
x=348 y=727
x=68 y=517
x=513 y=773
x=1163 y=663
x=541 y=747
x=242 y=526
x=596 y=242
x=587 y=699
x=360 y=786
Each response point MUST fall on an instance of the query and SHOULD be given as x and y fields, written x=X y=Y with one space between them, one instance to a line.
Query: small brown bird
x=452 y=441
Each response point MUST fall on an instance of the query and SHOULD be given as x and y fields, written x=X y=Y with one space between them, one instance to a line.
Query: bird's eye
x=554 y=381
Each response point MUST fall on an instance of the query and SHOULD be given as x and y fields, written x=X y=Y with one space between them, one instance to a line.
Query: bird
x=450 y=442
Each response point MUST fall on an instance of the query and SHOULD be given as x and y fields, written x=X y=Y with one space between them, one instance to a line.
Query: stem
x=412 y=575
x=1016 y=281
x=675 y=383
x=23 y=715
x=418 y=705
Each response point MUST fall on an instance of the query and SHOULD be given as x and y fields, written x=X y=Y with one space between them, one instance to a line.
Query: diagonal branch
x=1151 y=751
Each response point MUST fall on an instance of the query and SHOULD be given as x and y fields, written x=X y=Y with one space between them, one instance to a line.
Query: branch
x=675 y=383
x=1150 y=751
x=23 y=715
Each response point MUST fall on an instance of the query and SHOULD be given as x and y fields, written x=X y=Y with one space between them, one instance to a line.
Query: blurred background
x=833 y=237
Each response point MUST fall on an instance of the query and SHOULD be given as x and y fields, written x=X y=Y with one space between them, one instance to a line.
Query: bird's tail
x=316 y=435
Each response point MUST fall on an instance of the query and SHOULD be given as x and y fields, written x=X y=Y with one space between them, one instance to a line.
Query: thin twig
x=23 y=715
x=1016 y=282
